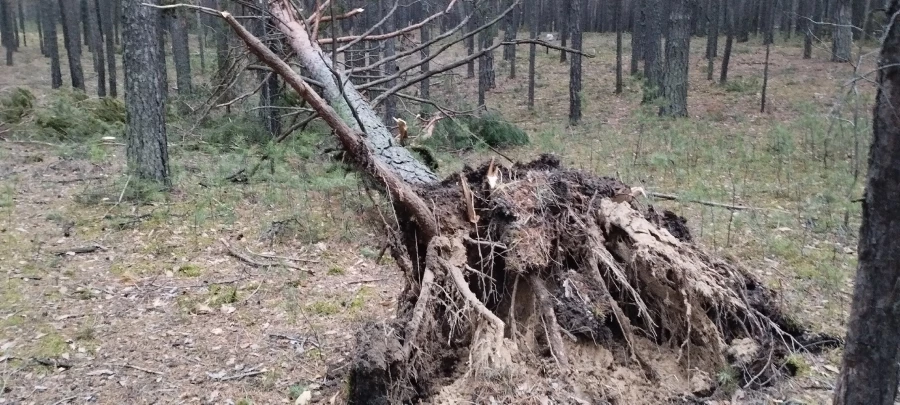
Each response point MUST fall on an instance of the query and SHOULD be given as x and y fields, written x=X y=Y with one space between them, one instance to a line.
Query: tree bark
x=729 y=40
x=638 y=12
x=575 y=26
x=6 y=30
x=512 y=50
x=425 y=36
x=870 y=366
x=843 y=33
x=470 y=41
x=810 y=8
x=390 y=103
x=48 y=14
x=85 y=25
x=343 y=97
x=72 y=39
x=181 y=54
x=565 y=14
x=22 y=23
x=532 y=52
x=97 y=56
x=271 y=87
x=678 y=47
x=652 y=55
x=107 y=15
x=618 y=21
x=145 y=105
x=40 y=27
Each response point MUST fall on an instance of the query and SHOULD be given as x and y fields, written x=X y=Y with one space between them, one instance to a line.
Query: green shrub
x=743 y=85
x=16 y=105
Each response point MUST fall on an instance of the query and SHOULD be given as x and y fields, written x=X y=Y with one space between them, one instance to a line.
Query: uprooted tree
x=531 y=280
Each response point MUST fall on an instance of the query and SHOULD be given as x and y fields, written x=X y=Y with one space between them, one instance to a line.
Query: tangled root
x=539 y=261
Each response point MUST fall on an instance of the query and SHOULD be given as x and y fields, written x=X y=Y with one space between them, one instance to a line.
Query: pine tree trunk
x=532 y=52
x=509 y=34
x=181 y=54
x=72 y=39
x=6 y=31
x=843 y=34
x=22 y=23
x=48 y=13
x=638 y=31
x=742 y=21
x=809 y=8
x=145 y=105
x=870 y=365
x=565 y=15
x=271 y=87
x=470 y=41
x=765 y=86
x=13 y=23
x=425 y=36
x=859 y=9
x=107 y=17
x=85 y=27
x=729 y=40
x=618 y=22
x=678 y=47
x=201 y=40
x=162 y=27
x=575 y=66
x=712 y=38
x=98 y=56
x=224 y=76
x=40 y=27
x=652 y=55
x=516 y=13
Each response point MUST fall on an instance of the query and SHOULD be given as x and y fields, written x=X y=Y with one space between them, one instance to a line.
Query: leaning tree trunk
x=501 y=261
x=72 y=39
x=843 y=33
x=678 y=46
x=729 y=40
x=870 y=366
x=145 y=103
x=48 y=13
x=575 y=28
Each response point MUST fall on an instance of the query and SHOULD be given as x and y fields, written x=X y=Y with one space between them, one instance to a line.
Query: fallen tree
x=536 y=281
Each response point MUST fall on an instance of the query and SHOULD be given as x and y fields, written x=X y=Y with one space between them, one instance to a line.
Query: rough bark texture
x=653 y=61
x=618 y=21
x=378 y=136
x=425 y=36
x=843 y=33
x=678 y=46
x=809 y=8
x=145 y=106
x=98 y=55
x=107 y=16
x=48 y=13
x=271 y=87
x=39 y=20
x=575 y=27
x=470 y=41
x=532 y=52
x=565 y=15
x=515 y=30
x=72 y=38
x=181 y=54
x=870 y=366
x=390 y=49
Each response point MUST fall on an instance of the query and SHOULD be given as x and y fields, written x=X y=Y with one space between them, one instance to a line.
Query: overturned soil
x=550 y=284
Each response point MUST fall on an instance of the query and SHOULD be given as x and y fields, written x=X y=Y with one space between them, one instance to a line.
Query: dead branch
x=249 y=260
x=79 y=250
x=672 y=197
x=132 y=366
x=412 y=328
x=365 y=35
x=389 y=34
x=346 y=15
x=548 y=45
x=554 y=339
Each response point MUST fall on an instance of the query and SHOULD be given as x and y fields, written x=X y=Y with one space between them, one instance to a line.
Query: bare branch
x=389 y=34
x=548 y=45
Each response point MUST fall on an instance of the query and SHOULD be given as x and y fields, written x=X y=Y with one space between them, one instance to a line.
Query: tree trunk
x=107 y=15
x=638 y=32
x=870 y=366
x=13 y=23
x=6 y=31
x=85 y=25
x=618 y=22
x=678 y=47
x=859 y=9
x=40 y=27
x=201 y=40
x=97 y=56
x=224 y=74
x=516 y=15
x=575 y=67
x=72 y=39
x=145 y=105
x=48 y=14
x=470 y=41
x=271 y=87
x=810 y=10
x=181 y=54
x=652 y=55
x=765 y=86
x=162 y=28
x=712 y=40
x=22 y=23
x=565 y=15
x=742 y=19
x=509 y=34
x=532 y=52
x=729 y=41
x=843 y=34
x=425 y=36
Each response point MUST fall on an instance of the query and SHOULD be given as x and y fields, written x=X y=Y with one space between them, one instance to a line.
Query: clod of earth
x=558 y=292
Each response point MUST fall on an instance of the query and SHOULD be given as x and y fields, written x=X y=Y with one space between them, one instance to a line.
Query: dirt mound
x=552 y=284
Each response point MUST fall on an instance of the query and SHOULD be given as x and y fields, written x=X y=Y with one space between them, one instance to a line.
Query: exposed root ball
x=547 y=283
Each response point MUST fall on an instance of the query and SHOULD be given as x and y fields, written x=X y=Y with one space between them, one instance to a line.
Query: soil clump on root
x=549 y=284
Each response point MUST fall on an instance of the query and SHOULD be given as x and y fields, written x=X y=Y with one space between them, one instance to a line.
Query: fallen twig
x=77 y=250
x=51 y=362
x=132 y=366
x=672 y=197
x=64 y=400
x=372 y=280
x=241 y=375
x=249 y=260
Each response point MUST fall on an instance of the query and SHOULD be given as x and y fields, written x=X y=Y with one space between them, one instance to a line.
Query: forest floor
x=249 y=293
